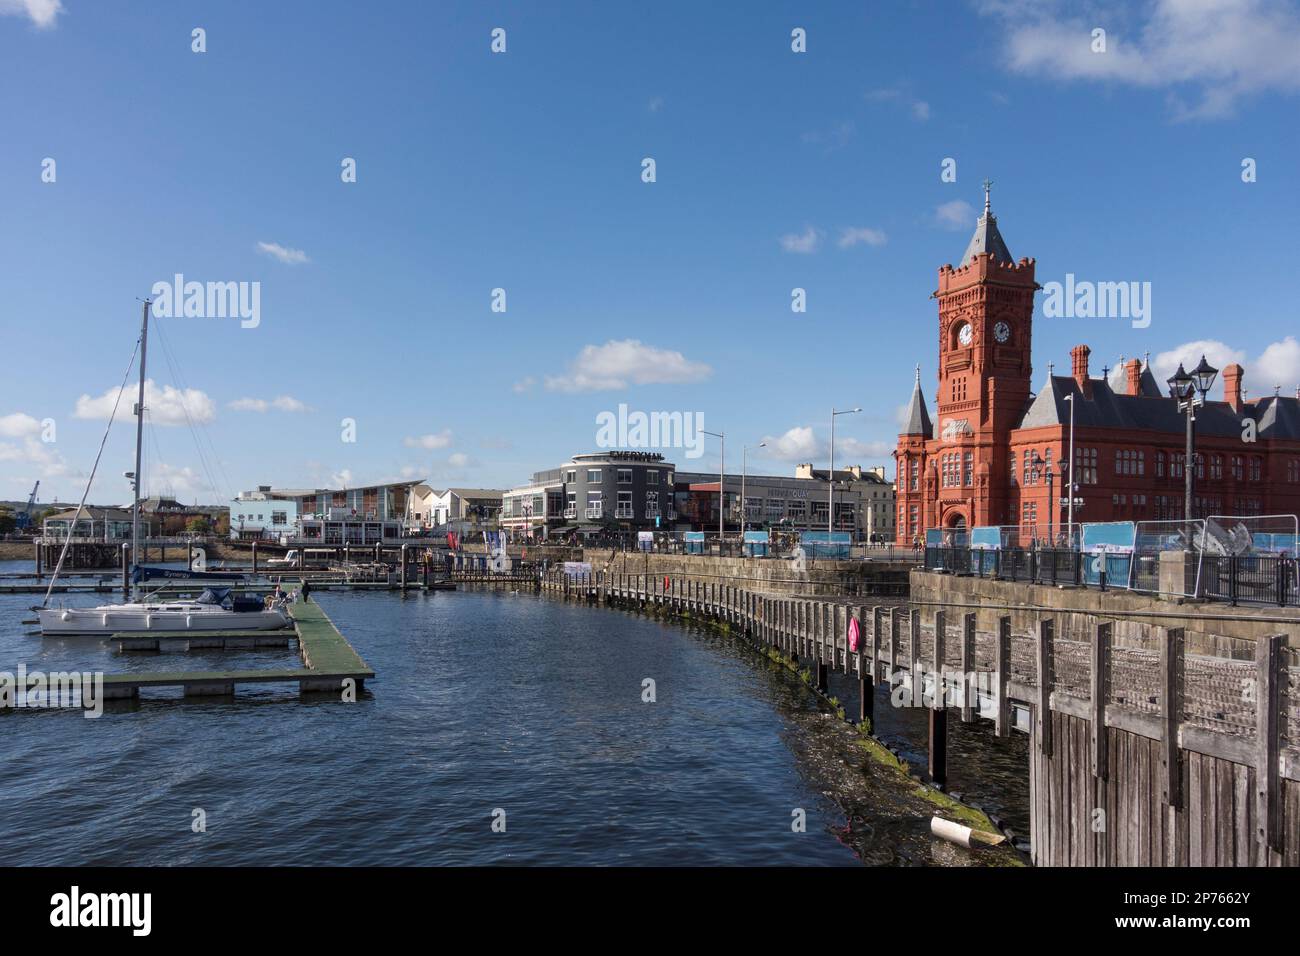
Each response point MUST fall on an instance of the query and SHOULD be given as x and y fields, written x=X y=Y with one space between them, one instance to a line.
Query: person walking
x=305 y=591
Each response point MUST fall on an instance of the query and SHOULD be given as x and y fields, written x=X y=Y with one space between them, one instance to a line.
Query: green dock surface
x=328 y=659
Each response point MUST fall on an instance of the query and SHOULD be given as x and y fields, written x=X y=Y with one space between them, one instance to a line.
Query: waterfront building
x=95 y=524
x=987 y=458
x=433 y=507
x=798 y=503
x=367 y=514
x=614 y=491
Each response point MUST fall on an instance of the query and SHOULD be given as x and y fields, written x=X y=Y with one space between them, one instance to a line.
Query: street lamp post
x=722 y=479
x=830 y=518
x=1070 y=488
x=744 y=468
x=1189 y=390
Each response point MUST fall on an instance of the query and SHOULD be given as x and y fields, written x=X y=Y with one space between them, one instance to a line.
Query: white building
x=263 y=514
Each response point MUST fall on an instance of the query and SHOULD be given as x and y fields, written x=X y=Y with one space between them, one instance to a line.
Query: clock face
x=964 y=336
x=1002 y=331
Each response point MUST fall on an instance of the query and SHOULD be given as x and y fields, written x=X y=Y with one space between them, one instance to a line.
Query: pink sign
x=853 y=635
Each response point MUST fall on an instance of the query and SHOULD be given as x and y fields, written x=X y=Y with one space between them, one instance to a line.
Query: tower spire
x=988 y=186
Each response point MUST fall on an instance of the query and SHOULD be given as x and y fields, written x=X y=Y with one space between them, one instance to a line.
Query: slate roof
x=918 y=417
x=1276 y=417
x=987 y=239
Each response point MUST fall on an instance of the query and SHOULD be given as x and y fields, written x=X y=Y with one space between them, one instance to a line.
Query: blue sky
x=522 y=171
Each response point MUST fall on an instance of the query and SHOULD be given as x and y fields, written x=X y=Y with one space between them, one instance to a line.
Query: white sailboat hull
x=142 y=618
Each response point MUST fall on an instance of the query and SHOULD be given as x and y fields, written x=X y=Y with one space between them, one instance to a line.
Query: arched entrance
x=957 y=522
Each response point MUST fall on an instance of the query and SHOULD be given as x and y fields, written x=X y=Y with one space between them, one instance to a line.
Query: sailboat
x=216 y=609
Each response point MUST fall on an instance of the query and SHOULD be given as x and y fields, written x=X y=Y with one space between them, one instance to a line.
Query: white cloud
x=1277 y=365
x=281 y=403
x=440 y=440
x=656 y=104
x=957 y=215
x=458 y=459
x=163 y=406
x=42 y=13
x=618 y=364
x=181 y=482
x=801 y=444
x=18 y=425
x=850 y=448
x=834 y=138
x=524 y=384
x=1218 y=51
x=798 y=444
x=292 y=257
x=853 y=235
x=919 y=109
x=341 y=479
x=32 y=451
x=804 y=242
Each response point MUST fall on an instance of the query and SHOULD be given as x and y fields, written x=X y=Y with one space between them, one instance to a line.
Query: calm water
x=484 y=700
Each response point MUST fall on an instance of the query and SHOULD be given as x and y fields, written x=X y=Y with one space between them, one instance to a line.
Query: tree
x=7 y=521
x=198 y=526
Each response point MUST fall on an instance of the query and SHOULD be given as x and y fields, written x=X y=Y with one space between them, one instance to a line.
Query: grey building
x=604 y=491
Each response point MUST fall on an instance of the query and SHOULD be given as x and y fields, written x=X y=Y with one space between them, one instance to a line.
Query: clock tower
x=986 y=307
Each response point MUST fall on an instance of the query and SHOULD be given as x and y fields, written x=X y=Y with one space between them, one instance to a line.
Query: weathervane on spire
x=918 y=374
x=988 y=185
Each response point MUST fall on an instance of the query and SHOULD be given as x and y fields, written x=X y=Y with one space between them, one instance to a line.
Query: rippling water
x=484 y=700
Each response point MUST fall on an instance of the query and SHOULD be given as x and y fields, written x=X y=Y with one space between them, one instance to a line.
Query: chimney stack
x=1079 y=364
x=1133 y=370
x=1232 y=392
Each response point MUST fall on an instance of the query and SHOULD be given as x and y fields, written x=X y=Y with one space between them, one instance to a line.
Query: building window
x=1176 y=465
x=1238 y=468
x=652 y=504
x=775 y=509
x=624 y=508
x=570 y=476
x=1256 y=468
x=593 y=476
x=1216 y=467
x=916 y=474
x=1199 y=461
x=913 y=520
x=968 y=469
x=1013 y=468
x=1160 y=464
x=1130 y=462
x=625 y=476
x=1085 y=466
x=594 y=509
x=651 y=477
x=1293 y=470
x=279 y=517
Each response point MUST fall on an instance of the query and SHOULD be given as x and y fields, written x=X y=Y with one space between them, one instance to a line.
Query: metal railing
x=1249 y=579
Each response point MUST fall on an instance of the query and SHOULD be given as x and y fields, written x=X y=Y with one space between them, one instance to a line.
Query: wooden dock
x=1143 y=752
x=330 y=664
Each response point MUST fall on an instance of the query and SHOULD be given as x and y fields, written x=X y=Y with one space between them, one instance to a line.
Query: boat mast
x=139 y=442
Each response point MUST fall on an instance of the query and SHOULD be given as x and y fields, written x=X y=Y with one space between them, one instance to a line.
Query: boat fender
x=65 y=616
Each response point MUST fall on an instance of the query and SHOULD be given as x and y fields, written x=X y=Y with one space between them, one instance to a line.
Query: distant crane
x=24 y=518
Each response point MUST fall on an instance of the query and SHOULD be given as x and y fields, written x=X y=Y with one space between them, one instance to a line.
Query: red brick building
x=996 y=440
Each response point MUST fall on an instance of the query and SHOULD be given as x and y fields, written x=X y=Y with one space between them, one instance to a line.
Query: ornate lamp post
x=1189 y=390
